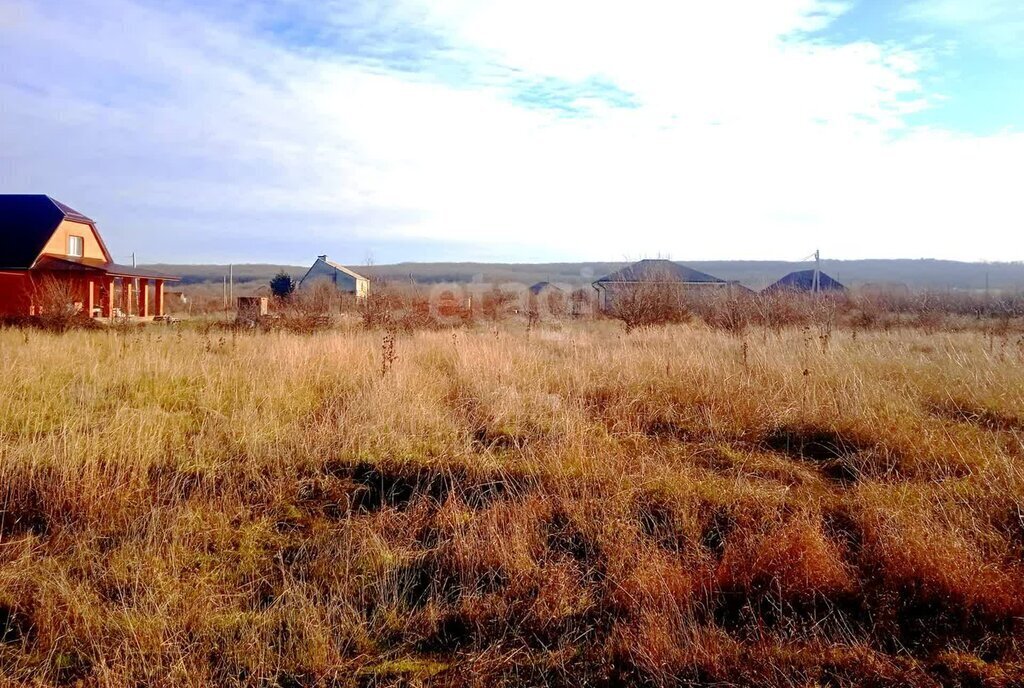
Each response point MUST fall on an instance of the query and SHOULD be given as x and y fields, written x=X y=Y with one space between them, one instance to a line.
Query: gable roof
x=342 y=268
x=331 y=263
x=803 y=280
x=541 y=286
x=52 y=263
x=658 y=270
x=27 y=221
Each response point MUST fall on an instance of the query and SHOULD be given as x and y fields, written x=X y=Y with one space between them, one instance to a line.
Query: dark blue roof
x=541 y=286
x=803 y=280
x=27 y=221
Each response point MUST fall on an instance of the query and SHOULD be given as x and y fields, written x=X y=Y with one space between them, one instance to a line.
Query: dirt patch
x=659 y=519
x=832 y=452
x=13 y=625
x=716 y=531
x=379 y=486
x=564 y=537
x=485 y=438
x=670 y=431
x=24 y=514
x=987 y=419
x=432 y=578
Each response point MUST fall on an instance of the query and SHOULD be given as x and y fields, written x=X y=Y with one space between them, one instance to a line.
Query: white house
x=344 y=280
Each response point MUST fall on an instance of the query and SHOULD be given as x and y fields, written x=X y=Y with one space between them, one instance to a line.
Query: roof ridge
x=639 y=271
x=348 y=271
x=67 y=210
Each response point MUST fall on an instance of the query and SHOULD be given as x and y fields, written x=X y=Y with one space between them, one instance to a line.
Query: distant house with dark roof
x=539 y=287
x=653 y=271
x=51 y=253
x=544 y=296
x=342 y=278
x=803 y=281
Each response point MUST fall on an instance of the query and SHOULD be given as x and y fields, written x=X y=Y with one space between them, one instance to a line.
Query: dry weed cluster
x=577 y=507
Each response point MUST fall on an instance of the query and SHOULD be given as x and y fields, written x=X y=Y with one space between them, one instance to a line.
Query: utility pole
x=231 y=283
x=988 y=298
x=817 y=271
x=225 y=280
x=135 y=282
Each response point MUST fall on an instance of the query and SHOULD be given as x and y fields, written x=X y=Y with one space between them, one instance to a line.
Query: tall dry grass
x=678 y=506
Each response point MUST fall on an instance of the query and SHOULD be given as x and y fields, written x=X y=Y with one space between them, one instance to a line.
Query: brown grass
x=681 y=505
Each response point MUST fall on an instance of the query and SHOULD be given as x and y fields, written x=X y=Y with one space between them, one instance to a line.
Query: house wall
x=58 y=243
x=321 y=271
x=14 y=294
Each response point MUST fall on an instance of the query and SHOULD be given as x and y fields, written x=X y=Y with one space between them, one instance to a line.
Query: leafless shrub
x=497 y=303
x=660 y=300
x=582 y=302
x=58 y=306
x=379 y=307
x=733 y=312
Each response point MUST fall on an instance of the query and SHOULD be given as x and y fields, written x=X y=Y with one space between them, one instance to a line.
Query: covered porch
x=105 y=290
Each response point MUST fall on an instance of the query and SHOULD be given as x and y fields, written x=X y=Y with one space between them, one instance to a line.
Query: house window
x=75 y=246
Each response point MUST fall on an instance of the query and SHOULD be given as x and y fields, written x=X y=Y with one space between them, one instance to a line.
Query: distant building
x=803 y=281
x=253 y=307
x=544 y=296
x=540 y=287
x=52 y=256
x=344 y=279
x=654 y=272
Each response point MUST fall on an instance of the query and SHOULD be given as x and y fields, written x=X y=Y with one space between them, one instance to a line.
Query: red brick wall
x=14 y=294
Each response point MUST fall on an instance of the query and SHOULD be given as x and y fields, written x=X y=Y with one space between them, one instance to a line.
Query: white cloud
x=996 y=24
x=749 y=139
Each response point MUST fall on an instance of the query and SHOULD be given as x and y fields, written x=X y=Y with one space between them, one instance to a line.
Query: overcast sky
x=521 y=130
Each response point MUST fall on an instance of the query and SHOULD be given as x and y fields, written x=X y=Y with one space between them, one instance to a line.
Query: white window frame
x=72 y=245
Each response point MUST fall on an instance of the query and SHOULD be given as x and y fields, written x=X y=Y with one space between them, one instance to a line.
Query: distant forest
x=915 y=274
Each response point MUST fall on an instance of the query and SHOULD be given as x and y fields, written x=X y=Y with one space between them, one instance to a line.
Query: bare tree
x=659 y=299
x=57 y=304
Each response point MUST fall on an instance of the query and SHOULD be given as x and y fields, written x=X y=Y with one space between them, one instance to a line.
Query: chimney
x=323 y=257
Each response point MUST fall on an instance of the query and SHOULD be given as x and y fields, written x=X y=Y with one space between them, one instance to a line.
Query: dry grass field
x=569 y=506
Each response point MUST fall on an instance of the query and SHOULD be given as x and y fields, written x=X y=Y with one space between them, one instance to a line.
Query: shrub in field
x=650 y=303
x=58 y=306
x=497 y=303
x=282 y=285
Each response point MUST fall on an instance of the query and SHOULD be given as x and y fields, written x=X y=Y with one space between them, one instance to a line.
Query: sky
x=521 y=130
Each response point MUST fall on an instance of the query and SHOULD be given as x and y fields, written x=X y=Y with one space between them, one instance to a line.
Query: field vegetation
x=824 y=495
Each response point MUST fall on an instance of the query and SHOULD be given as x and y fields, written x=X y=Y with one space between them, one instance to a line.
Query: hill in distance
x=916 y=274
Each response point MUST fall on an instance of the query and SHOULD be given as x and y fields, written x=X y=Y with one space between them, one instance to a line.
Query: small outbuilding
x=253 y=307
x=342 y=278
x=803 y=281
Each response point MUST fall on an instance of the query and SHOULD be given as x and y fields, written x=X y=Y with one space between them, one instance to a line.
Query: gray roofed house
x=653 y=271
x=344 y=279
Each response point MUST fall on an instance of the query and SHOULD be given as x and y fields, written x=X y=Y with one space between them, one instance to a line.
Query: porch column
x=158 y=296
x=126 y=296
x=90 y=296
x=143 y=297
x=108 y=297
